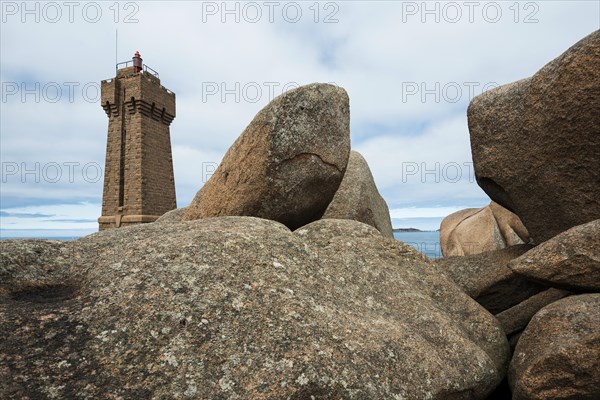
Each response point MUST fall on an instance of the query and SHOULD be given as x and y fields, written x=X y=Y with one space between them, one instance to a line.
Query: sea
x=427 y=242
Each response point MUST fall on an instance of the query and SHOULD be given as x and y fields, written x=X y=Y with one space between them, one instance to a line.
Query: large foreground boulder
x=358 y=198
x=287 y=164
x=240 y=307
x=487 y=279
x=570 y=260
x=535 y=142
x=477 y=230
x=558 y=354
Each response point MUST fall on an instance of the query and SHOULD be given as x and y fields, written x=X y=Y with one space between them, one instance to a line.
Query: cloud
x=424 y=167
x=52 y=217
x=76 y=221
x=24 y=215
x=409 y=78
x=422 y=212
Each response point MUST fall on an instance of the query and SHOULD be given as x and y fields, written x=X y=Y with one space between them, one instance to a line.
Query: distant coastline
x=411 y=230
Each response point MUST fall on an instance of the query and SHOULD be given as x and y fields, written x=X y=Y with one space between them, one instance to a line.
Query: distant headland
x=411 y=230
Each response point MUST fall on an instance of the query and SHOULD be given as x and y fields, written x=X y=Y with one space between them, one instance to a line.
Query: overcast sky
x=410 y=69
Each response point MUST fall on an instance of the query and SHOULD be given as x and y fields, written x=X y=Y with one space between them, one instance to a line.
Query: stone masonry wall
x=138 y=186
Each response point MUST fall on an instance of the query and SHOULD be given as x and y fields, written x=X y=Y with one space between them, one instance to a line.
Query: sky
x=410 y=70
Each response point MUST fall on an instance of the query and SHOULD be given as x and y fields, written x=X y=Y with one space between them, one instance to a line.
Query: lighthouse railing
x=145 y=68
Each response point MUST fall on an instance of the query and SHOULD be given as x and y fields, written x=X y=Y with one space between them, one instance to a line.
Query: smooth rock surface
x=535 y=142
x=474 y=231
x=558 y=355
x=358 y=198
x=287 y=164
x=570 y=260
x=487 y=279
x=172 y=216
x=447 y=227
x=240 y=307
x=512 y=229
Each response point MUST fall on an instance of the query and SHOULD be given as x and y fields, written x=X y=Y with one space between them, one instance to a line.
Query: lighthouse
x=139 y=185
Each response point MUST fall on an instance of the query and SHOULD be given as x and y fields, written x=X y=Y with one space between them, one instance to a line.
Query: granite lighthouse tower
x=139 y=185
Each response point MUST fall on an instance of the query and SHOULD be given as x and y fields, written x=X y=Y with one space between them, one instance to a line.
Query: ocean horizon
x=427 y=242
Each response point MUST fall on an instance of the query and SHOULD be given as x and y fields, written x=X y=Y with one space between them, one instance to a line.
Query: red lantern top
x=137 y=62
